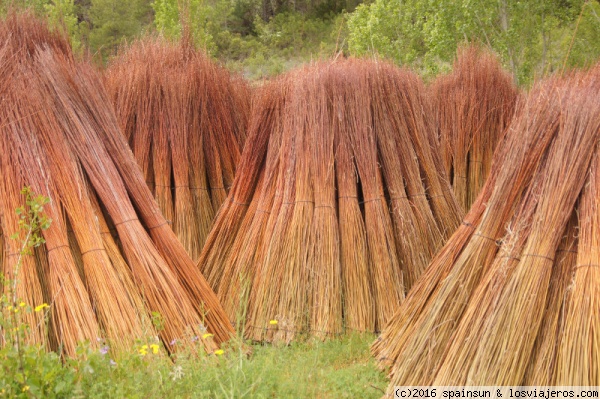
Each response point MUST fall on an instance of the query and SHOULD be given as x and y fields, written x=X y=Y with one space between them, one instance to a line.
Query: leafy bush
x=531 y=37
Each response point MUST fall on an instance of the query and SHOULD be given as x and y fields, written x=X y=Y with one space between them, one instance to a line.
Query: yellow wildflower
x=219 y=352
x=26 y=388
x=273 y=322
x=143 y=350
x=22 y=304
x=207 y=335
x=154 y=348
x=41 y=307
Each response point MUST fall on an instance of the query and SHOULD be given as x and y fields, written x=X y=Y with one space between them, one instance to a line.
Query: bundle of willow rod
x=185 y=119
x=513 y=298
x=339 y=203
x=110 y=258
x=473 y=106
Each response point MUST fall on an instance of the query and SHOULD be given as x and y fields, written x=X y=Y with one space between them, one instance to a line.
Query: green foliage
x=112 y=21
x=25 y=371
x=32 y=221
x=261 y=38
x=341 y=368
x=158 y=321
x=287 y=40
x=586 y=46
x=63 y=13
x=36 y=5
x=532 y=37
x=205 y=20
x=234 y=32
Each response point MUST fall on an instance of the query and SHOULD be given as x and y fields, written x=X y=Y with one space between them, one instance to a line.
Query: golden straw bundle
x=109 y=259
x=339 y=203
x=473 y=106
x=512 y=298
x=185 y=119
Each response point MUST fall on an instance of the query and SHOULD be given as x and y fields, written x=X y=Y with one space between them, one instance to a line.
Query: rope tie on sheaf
x=160 y=224
x=92 y=250
x=136 y=219
x=391 y=198
x=298 y=202
x=527 y=255
x=586 y=265
x=538 y=256
x=190 y=187
x=239 y=203
x=126 y=221
x=497 y=241
x=56 y=247
x=510 y=257
x=567 y=250
x=344 y=197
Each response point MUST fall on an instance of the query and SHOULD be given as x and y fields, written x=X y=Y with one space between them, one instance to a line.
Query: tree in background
x=60 y=13
x=265 y=37
x=532 y=37
x=98 y=25
x=235 y=32
x=112 y=21
x=205 y=19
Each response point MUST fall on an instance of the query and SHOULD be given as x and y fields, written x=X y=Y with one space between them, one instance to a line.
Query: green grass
x=339 y=368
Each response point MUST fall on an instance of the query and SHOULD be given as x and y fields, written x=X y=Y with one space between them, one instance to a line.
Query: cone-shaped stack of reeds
x=473 y=106
x=513 y=297
x=185 y=119
x=339 y=203
x=110 y=258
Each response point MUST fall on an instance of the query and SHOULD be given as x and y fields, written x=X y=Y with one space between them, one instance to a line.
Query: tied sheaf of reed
x=339 y=203
x=513 y=298
x=110 y=258
x=185 y=119
x=473 y=105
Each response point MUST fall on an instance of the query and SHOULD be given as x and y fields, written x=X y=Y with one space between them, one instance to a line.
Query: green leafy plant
x=22 y=364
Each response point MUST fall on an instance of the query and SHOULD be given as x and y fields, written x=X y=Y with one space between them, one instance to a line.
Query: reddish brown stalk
x=442 y=293
x=473 y=106
x=74 y=153
x=578 y=349
x=477 y=312
x=28 y=287
x=331 y=152
x=541 y=369
x=185 y=119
